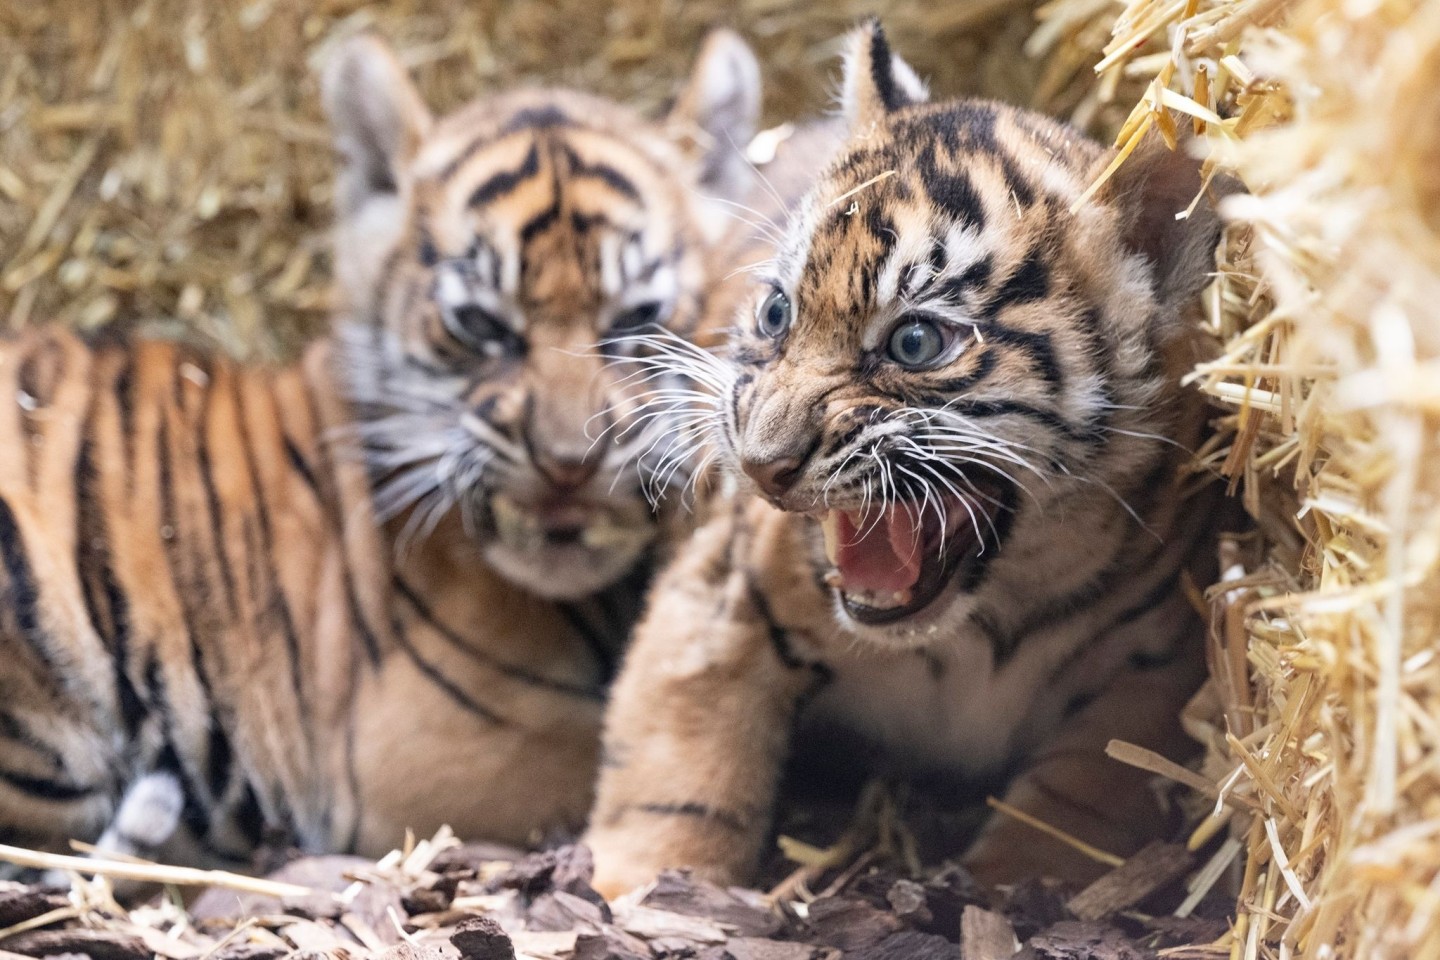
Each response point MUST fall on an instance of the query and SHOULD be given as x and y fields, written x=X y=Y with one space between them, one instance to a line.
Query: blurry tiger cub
x=385 y=587
x=960 y=404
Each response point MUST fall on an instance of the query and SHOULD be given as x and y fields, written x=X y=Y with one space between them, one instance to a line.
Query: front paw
x=627 y=859
x=620 y=867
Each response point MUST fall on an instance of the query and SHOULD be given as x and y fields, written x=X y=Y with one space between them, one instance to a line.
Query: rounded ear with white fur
x=377 y=117
x=1153 y=188
x=717 y=113
x=875 y=81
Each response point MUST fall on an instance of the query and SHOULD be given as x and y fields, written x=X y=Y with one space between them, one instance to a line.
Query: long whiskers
x=675 y=410
x=762 y=224
x=425 y=456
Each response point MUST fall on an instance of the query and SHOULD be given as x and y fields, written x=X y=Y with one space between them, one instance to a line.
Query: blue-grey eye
x=916 y=342
x=773 y=318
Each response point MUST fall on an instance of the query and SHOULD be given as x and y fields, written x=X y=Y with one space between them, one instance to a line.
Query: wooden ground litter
x=442 y=899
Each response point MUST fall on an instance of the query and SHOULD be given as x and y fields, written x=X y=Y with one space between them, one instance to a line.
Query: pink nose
x=568 y=475
x=775 y=476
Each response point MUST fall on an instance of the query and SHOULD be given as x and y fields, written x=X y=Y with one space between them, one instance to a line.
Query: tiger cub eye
x=774 y=315
x=915 y=342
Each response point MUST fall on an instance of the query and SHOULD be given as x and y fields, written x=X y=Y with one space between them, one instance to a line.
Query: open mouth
x=890 y=564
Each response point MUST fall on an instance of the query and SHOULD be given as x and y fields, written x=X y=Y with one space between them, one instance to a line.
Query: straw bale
x=1321 y=715
x=165 y=161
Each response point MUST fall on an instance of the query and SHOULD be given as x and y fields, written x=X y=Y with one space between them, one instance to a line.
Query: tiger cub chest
x=945 y=710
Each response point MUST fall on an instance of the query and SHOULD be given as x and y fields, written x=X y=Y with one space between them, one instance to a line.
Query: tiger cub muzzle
x=571 y=505
x=893 y=542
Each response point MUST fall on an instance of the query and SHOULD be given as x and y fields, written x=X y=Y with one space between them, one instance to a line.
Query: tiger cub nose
x=567 y=474
x=776 y=475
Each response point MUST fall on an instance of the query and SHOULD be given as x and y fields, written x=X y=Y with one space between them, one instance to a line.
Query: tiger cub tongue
x=879 y=556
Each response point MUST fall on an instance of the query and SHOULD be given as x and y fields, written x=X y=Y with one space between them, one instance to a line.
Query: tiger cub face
x=489 y=260
x=958 y=377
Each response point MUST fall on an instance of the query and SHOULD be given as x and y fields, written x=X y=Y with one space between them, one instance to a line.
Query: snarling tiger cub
x=385 y=587
x=959 y=404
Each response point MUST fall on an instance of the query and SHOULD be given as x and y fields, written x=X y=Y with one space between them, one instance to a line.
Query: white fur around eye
x=459 y=285
x=487 y=262
x=666 y=284
x=510 y=274
x=632 y=258
x=963 y=247
x=451 y=290
x=610 y=265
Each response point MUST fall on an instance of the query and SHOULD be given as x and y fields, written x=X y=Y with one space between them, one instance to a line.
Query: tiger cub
x=958 y=403
x=384 y=587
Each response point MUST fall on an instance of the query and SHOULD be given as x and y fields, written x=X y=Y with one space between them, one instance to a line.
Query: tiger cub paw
x=619 y=871
x=629 y=860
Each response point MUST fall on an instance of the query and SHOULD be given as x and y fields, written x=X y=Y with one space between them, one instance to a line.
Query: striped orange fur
x=383 y=588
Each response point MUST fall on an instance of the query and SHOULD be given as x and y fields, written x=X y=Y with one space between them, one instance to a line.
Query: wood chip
x=97 y=944
x=909 y=901
x=746 y=948
x=986 y=935
x=480 y=938
x=610 y=943
x=1075 y=940
x=847 y=923
x=412 y=951
x=543 y=944
x=1138 y=877
x=908 y=945
x=655 y=924
x=680 y=893
x=20 y=903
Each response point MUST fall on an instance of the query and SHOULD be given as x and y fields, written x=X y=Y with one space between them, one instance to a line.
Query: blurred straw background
x=163 y=162
x=166 y=161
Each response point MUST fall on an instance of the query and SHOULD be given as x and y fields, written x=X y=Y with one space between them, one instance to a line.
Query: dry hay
x=1323 y=733
x=165 y=161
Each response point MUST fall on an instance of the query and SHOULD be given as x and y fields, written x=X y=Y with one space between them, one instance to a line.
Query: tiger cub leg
x=1071 y=783
x=146 y=819
x=697 y=729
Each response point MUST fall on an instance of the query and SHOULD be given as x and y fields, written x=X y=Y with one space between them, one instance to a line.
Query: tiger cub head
x=958 y=377
x=491 y=264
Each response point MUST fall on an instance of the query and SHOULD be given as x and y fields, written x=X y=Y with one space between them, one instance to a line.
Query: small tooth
x=517 y=528
x=830 y=527
x=834 y=581
x=900 y=597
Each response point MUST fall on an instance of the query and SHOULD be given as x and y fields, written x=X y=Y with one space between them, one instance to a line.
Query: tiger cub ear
x=716 y=114
x=874 y=80
x=376 y=114
x=1152 y=187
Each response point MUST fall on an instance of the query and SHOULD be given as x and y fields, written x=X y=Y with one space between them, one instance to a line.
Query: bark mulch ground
x=446 y=900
